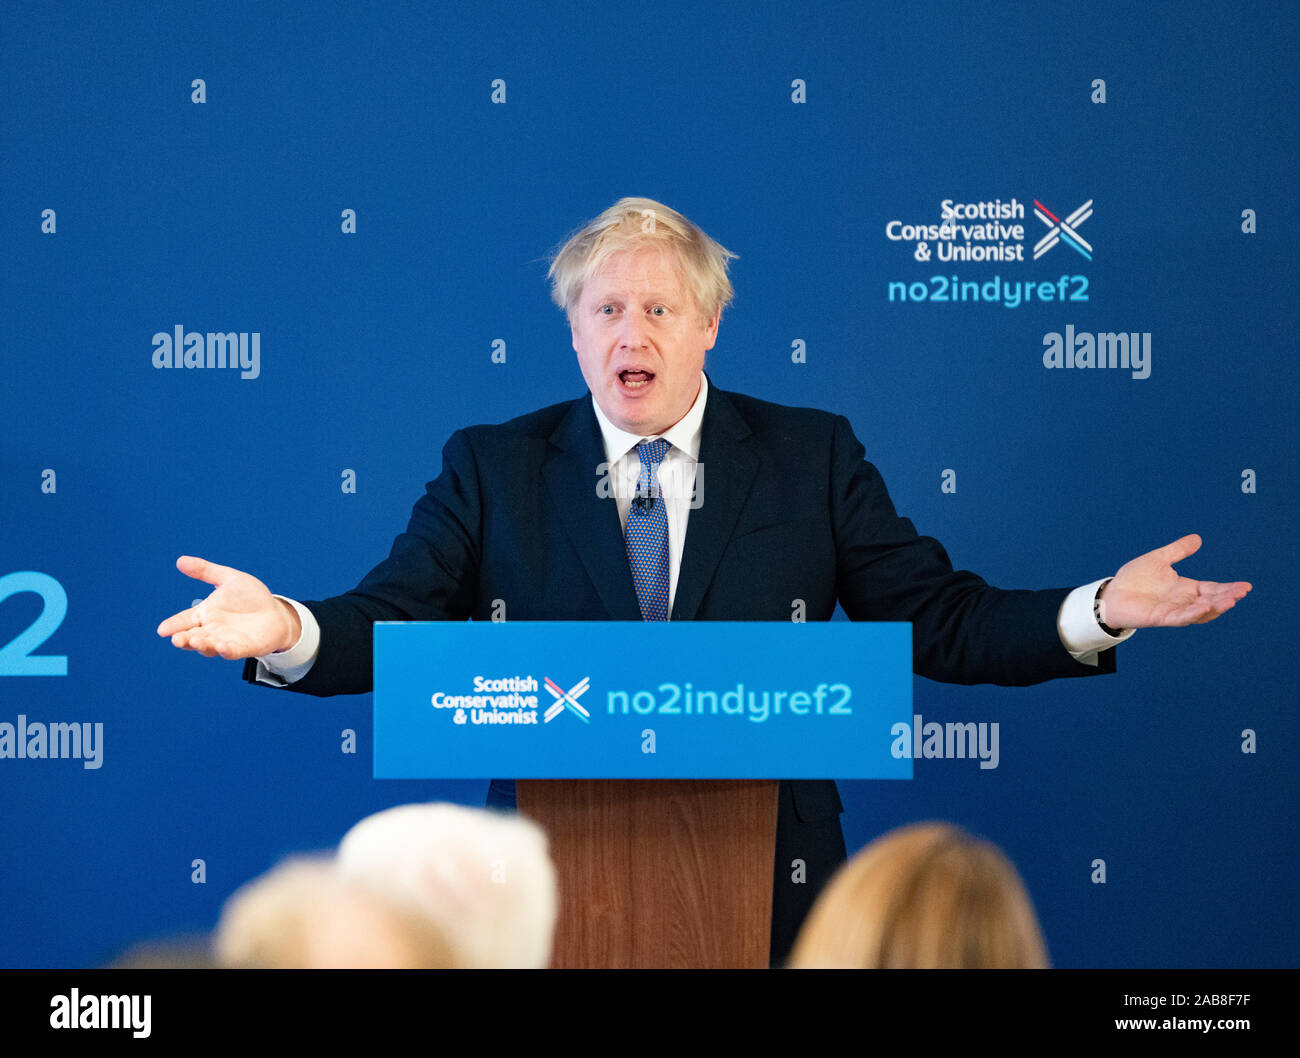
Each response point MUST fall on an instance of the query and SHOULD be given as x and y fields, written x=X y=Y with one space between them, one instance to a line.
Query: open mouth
x=634 y=380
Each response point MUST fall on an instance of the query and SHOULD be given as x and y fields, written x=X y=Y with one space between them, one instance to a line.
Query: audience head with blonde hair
x=482 y=879
x=928 y=896
x=303 y=915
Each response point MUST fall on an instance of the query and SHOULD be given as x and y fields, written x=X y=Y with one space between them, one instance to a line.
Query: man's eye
x=659 y=310
x=606 y=310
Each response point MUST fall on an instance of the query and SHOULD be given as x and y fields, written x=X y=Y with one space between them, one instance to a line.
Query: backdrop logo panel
x=722 y=700
x=991 y=230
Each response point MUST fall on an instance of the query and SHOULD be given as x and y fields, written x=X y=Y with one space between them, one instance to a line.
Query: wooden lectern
x=659 y=873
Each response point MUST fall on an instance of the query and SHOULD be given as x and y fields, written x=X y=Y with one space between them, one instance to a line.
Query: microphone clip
x=644 y=500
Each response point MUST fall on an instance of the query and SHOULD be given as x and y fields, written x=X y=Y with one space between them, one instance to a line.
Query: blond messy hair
x=632 y=224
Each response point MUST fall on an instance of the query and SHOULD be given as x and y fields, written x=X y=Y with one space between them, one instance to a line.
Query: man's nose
x=632 y=333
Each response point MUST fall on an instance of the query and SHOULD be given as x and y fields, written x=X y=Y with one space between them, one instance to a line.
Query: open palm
x=240 y=619
x=1147 y=593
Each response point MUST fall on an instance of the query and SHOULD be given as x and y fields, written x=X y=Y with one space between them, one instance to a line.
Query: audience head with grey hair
x=483 y=880
x=303 y=915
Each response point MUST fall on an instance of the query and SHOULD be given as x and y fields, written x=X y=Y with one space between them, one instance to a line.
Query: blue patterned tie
x=647 y=534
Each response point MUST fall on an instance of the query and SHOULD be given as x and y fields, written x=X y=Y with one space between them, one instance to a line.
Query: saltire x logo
x=567 y=699
x=1058 y=229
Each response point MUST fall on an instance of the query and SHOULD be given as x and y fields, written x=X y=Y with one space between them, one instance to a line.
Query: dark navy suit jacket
x=791 y=510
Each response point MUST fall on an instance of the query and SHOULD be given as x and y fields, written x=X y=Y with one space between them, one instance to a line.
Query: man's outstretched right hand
x=240 y=619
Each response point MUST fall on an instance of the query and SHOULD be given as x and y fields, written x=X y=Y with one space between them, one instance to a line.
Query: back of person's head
x=190 y=952
x=303 y=915
x=928 y=896
x=482 y=879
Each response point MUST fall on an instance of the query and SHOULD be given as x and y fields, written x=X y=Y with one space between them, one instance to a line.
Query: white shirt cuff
x=1078 y=628
x=287 y=666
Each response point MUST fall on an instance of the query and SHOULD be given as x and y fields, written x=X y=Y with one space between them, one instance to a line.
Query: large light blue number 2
x=16 y=658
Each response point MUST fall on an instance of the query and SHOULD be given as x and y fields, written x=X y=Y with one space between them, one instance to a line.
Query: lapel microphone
x=644 y=499
x=646 y=491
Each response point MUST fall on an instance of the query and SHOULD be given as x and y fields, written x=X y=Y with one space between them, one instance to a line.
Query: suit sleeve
x=963 y=630
x=430 y=574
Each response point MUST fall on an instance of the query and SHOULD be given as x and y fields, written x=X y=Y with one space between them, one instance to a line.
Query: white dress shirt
x=1076 y=624
x=677 y=473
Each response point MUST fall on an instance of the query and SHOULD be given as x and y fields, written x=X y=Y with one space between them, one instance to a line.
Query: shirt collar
x=683 y=435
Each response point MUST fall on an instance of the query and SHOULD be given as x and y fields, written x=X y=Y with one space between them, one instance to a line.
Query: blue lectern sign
x=653 y=700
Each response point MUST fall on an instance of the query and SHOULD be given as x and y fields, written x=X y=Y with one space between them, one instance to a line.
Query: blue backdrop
x=469 y=141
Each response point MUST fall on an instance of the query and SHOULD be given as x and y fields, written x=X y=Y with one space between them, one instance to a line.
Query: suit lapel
x=590 y=519
x=728 y=466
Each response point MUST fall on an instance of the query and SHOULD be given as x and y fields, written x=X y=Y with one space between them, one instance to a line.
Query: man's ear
x=711 y=327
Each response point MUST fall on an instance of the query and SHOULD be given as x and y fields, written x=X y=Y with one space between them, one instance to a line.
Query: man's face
x=641 y=341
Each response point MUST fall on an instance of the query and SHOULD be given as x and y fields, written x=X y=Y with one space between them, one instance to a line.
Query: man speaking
x=658 y=497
